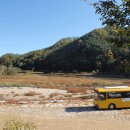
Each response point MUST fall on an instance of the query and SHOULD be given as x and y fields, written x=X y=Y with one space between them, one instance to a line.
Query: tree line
x=95 y=51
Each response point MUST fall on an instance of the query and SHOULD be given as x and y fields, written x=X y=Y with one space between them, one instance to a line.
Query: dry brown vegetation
x=54 y=94
x=11 y=101
x=59 y=81
x=77 y=90
x=31 y=93
x=17 y=123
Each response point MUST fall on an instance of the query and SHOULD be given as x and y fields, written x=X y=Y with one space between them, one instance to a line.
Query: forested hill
x=94 y=51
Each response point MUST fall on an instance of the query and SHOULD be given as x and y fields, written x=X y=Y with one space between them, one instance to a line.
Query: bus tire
x=112 y=106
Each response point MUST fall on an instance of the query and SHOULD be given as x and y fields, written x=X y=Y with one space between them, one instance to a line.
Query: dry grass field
x=60 y=81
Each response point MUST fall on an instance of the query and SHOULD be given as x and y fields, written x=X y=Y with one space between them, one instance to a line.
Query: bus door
x=102 y=99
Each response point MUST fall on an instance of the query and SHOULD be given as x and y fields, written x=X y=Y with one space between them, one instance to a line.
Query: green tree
x=114 y=13
x=8 y=59
x=117 y=14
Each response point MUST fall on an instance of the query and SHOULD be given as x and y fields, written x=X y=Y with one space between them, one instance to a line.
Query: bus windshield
x=99 y=96
x=102 y=96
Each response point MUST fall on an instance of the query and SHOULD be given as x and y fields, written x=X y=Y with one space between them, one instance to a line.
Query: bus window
x=102 y=96
x=112 y=95
x=126 y=94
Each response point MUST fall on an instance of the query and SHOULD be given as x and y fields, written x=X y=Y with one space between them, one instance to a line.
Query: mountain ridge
x=93 y=51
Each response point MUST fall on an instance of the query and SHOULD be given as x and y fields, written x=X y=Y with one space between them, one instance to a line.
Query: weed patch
x=77 y=90
x=31 y=93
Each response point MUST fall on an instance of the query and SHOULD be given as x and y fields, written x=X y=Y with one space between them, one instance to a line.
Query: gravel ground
x=76 y=118
x=22 y=90
x=70 y=112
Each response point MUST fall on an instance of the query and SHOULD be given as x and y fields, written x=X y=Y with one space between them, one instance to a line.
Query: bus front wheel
x=112 y=106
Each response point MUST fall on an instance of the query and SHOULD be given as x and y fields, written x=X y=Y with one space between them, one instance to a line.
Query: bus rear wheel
x=112 y=106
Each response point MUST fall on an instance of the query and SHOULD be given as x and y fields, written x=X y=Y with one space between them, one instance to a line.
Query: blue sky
x=27 y=25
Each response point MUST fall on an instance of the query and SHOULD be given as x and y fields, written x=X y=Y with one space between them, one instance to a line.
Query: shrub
x=2 y=69
x=11 y=71
x=17 y=123
x=11 y=101
x=31 y=93
x=54 y=94
x=77 y=90
x=8 y=70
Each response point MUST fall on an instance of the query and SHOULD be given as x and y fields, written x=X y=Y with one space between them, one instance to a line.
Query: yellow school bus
x=112 y=97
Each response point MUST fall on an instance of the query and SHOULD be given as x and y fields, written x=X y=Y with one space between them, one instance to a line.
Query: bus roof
x=113 y=89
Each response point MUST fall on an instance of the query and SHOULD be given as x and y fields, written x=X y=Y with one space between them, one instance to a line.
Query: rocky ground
x=55 y=109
